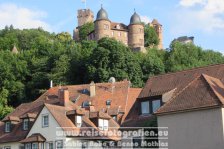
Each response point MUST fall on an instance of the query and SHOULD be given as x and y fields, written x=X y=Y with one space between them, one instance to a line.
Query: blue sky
x=203 y=19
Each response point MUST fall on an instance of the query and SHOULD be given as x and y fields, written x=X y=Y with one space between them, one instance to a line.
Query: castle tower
x=84 y=16
x=102 y=25
x=136 y=33
x=159 y=30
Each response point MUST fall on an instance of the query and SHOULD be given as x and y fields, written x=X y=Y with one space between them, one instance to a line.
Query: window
x=119 y=34
x=34 y=145
x=78 y=120
x=103 y=124
x=114 y=117
x=112 y=33
x=59 y=144
x=155 y=105
x=28 y=146
x=149 y=107
x=50 y=145
x=45 y=121
x=108 y=102
x=25 y=124
x=7 y=147
x=7 y=126
x=145 y=107
x=106 y=26
x=118 y=26
x=85 y=104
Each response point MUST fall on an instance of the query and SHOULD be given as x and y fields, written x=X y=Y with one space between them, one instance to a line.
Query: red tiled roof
x=120 y=94
x=37 y=137
x=203 y=91
x=157 y=85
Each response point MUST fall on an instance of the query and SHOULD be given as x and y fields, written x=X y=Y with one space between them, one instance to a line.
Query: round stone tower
x=136 y=33
x=102 y=25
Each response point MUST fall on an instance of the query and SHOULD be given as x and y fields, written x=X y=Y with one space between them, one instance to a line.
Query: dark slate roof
x=102 y=14
x=135 y=19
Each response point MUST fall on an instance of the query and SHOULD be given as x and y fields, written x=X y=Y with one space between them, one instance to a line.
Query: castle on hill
x=131 y=35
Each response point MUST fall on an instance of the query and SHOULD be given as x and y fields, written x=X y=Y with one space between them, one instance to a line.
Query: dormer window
x=78 y=120
x=25 y=124
x=149 y=107
x=145 y=107
x=7 y=126
x=85 y=104
x=108 y=102
x=156 y=104
x=103 y=124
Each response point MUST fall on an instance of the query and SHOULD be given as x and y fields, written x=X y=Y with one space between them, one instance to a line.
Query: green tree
x=113 y=59
x=151 y=37
x=84 y=30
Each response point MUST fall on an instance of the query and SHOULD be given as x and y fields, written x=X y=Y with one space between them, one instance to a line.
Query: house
x=68 y=116
x=190 y=104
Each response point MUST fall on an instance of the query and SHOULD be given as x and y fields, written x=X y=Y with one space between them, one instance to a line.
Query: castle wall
x=120 y=35
x=102 y=29
x=85 y=16
x=136 y=36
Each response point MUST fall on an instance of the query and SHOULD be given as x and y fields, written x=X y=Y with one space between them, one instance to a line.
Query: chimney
x=63 y=96
x=92 y=89
x=51 y=84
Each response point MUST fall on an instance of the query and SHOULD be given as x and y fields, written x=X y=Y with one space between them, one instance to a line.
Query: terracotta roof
x=122 y=26
x=37 y=137
x=203 y=91
x=11 y=118
x=120 y=94
x=158 y=85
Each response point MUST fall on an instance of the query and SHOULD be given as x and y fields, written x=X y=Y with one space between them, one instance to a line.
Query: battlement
x=84 y=16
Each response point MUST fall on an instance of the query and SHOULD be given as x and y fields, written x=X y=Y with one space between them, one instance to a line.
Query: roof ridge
x=186 y=70
x=211 y=87
x=178 y=93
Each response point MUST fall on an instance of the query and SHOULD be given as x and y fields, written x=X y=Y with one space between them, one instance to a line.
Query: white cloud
x=145 y=19
x=190 y=3
x=21 y=17
x=207 y=17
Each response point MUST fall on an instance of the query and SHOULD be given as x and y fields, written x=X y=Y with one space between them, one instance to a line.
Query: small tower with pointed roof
x=136 y=33
x=14 y=50
x=102 y=24
x=159 y=30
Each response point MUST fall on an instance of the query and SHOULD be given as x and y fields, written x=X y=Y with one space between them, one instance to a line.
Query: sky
x=203 y=19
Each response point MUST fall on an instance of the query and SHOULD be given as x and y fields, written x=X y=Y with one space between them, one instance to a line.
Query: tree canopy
x=45 y=56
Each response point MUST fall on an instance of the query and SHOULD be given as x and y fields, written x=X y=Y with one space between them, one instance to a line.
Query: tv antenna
x=84 y=1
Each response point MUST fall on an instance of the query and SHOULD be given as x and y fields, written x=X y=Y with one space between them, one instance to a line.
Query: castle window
x=106 y=26
x=112 y=33
x=119 y=34
x=125 y=34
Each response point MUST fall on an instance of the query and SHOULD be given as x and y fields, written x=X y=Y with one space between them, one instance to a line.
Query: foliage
x=45 y=56
x=150 y=36
x=85 y=30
